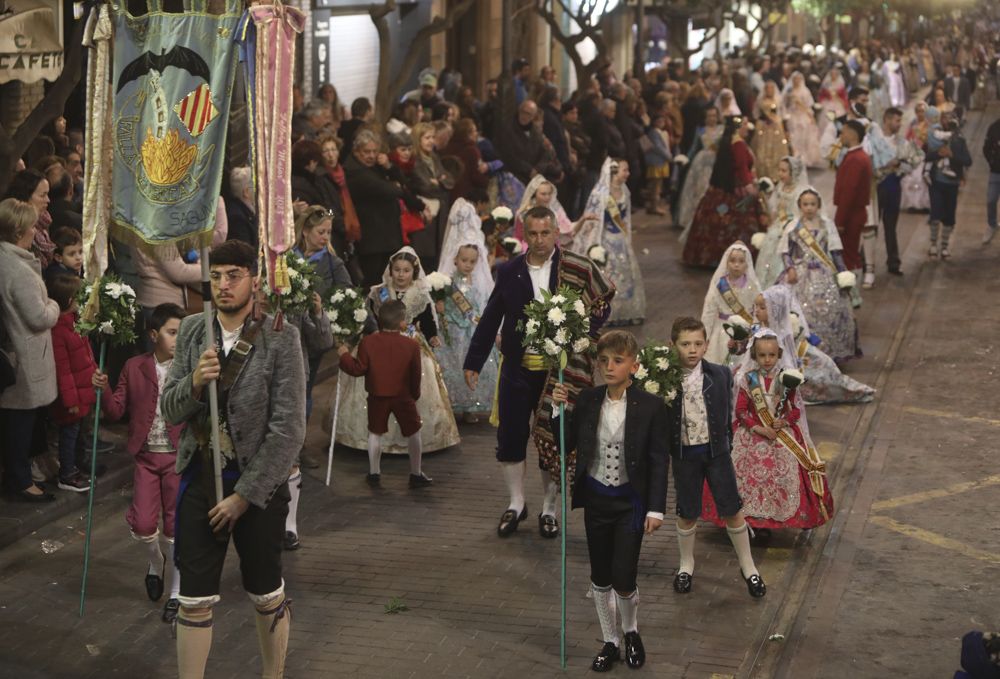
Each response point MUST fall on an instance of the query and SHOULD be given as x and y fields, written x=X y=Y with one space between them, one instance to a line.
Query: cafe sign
x=30 y=48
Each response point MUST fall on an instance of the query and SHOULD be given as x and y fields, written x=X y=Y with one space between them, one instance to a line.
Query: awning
x=30 y=49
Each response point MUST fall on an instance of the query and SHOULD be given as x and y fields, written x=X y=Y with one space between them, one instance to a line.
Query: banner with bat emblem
x=172 y=84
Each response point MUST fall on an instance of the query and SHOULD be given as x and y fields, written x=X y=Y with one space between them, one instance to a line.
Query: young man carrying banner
x=261 y=384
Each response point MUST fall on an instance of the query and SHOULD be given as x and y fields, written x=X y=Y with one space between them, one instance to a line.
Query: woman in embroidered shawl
x=769 y=144
x=731 y=293
x=696 y=179
x=916 y=192
x=404 y=280
x=803 y=133
x=782 y=206
x=812 y=252
x=612 y=231
x=731 y=208
x=781 y=479
x=464 y=257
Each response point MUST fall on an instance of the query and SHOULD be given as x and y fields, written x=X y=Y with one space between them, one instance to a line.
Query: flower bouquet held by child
x=465 y=264
x=780 y=476
x=728 y=308
x=404 y=280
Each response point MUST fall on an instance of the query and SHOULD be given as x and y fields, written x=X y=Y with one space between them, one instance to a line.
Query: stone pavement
x=478 y=606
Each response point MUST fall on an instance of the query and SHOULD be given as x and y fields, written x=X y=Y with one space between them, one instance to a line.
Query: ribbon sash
x=729 y=296
x=616 y=215
x=807 y=457
x=805 y=237
x=461 y=302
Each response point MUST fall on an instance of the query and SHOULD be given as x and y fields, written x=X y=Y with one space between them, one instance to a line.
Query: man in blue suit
x=523 y=376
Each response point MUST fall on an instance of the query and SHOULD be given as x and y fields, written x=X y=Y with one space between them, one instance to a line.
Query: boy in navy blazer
x=620 y=435
x=700 y=441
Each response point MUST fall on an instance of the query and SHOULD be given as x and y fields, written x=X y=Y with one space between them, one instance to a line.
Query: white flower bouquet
x=790 y=379
x=598 y=255
x=502 y=213
x=297 y=297
x=556 y=325
x=757 y=240
x=765 y=184
x=512 y=246
x=846 y=280
x=681 y=159
x=107 y=311
x=440 y=285
x=737 y=327
x=659 y=371
x=345 y=308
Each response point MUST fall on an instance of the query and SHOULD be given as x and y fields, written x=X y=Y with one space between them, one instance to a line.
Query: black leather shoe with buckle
x=170 y=610
x=606 y=659
x=548 y=527
x=635 y=653
x=755 y=585
x=154 y=583
x=509 y=520
x=682 y=582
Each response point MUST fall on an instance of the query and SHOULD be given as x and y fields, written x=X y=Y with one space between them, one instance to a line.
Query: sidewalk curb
x=18 y=520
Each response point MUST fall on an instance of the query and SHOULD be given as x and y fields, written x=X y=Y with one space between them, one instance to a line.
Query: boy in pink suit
x=153 y=443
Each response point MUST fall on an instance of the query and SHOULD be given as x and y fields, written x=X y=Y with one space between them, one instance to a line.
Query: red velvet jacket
x=853 y=188
x=74 y=369
x=390 y=363
x=135 y=394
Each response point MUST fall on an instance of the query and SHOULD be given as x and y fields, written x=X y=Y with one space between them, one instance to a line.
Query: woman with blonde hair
x=433 y=184
x=27 y=315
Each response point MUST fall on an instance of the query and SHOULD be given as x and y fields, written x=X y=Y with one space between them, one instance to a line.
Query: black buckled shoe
x=170 y=610
x=373 y=480
x=420 y=480
x=154 y=584
x=635 y=654
x=509 y=520
x=606 y=659
x=290 y=541
x=755 y=585
x=682 y=583
x=548 y=526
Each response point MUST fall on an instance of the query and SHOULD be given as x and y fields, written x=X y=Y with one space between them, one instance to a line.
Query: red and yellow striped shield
x=196 y=110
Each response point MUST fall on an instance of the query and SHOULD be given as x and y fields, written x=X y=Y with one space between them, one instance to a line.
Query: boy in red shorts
x=390 y=363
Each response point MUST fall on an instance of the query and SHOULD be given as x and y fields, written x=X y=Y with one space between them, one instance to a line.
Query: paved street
x=908 y=564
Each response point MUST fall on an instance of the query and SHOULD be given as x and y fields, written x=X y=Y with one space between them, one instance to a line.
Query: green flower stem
x=562 y=533
x=93 y=484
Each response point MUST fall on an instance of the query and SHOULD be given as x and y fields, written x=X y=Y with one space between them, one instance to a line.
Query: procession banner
x=173 y=80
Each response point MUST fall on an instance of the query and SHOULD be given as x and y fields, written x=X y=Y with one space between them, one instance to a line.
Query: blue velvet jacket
x=717 y=387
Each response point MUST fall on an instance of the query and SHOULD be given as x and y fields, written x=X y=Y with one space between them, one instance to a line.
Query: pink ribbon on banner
x=276 y=27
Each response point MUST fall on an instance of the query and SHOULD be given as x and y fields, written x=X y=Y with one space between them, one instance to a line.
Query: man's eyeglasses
x=232 y=277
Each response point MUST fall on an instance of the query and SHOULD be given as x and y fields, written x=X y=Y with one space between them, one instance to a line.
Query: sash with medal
x=729 y=296
x=807 y=457
x=805 y=236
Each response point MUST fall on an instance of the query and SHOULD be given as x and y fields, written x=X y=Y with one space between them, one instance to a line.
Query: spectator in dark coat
x=552 y=126
x=61 y=200
x=362 y=113
x=463 y=146
x=241 y=213
x=377 y=202
x=522 y=149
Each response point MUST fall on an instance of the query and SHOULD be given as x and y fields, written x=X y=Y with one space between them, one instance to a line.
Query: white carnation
x=107 y=328
x=641 y=373
x=561 y=336
x=332 y=314
x=337 y=297
x=305 y=283
x=551 y=348
x=292 y=273
x=558 y=299
x=360 y=315
x=114 y=290
x=531 y=327
x=336 y=329
x=581 y=345
x=670 y=395
x=651 y=386
x=556 y=315
x=502 y=213
x=579 y=308
x=681 y=159
x=662 y=363
x=127 y=289
x=757 y=240
x=350 y=293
